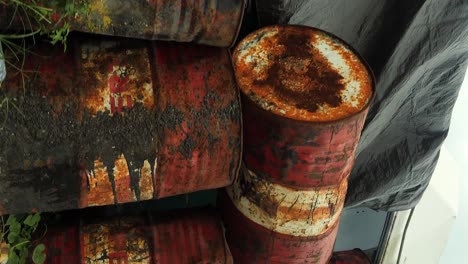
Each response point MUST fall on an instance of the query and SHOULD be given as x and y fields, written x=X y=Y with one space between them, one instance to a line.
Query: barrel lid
x=302 y=73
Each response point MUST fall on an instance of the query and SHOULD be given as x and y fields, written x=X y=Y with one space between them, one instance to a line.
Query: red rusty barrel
x=211 y=22
x=167 y=238
x=305 y=98
x=117 y=121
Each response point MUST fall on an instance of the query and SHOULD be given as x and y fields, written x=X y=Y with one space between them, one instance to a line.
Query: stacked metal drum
x=114 y=121
x=305 y=96
x=191 y=236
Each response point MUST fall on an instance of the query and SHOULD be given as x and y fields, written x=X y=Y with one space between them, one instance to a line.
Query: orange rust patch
x=122 y=181
x=301 y=213
x=100 y=188
x=146 y=182
x=121 y=241
x=117 y=78
x=302 y=73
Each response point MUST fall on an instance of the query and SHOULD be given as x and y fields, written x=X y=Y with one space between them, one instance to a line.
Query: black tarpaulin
x=418 y=51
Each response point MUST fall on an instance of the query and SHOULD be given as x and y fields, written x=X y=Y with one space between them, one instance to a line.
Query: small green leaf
x=11 y=219
x=23 y=253
x=13 y=258
x=39 y=255
x=15 y=227
x=12 y=237
x=26 y=233
x=28 y=220
x=32 y=220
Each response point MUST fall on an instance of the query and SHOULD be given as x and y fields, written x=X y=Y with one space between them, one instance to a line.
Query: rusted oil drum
x=211 y=22
x=116 y=121
x=167 y=238
x=355 y=256
x=305 y=97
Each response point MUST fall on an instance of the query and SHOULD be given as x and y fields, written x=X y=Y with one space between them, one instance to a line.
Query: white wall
x=438 y=230
x=457 y=144
x=434 y=216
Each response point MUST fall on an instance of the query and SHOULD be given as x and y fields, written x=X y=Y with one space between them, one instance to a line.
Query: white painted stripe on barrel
x=300 y=213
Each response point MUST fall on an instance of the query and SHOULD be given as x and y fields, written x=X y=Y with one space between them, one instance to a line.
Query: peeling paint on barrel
x=300 y=213
x=117 y=121
x=305 y=98
x=178 y=237
x=207 y=132
x=299 y=154
x=210 y=22
x=122 y=241
x=250 y=242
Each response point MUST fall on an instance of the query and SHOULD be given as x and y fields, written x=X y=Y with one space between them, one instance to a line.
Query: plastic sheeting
x=418 y=50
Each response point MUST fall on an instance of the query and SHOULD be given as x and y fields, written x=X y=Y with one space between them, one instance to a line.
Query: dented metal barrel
x=305 y=98
x=166 y=238
x=116 y=121
x=211 y=22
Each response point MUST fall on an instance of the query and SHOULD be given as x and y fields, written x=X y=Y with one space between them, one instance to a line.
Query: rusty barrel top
x=302 y=73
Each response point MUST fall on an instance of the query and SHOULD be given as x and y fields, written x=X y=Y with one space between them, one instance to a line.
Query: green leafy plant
x=17 y=232
x=46 y=17
x=37 y=17
x=65 y=9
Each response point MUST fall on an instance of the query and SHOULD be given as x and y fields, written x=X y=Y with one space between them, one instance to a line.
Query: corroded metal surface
x=299 y=154
x=211 y=22
x=305 y=98
x=300 y=213
x=62 y=243
x=166 y=238
x=118 y=121
x=206 y=131
x=121 y=241
x=355 y=256
x=189 y=238
x=250 y=242
x=303 y=74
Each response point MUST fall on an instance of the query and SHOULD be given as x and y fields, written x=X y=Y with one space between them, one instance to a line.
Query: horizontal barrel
x=115 y=122
x=210 y=22
x=171 y=238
